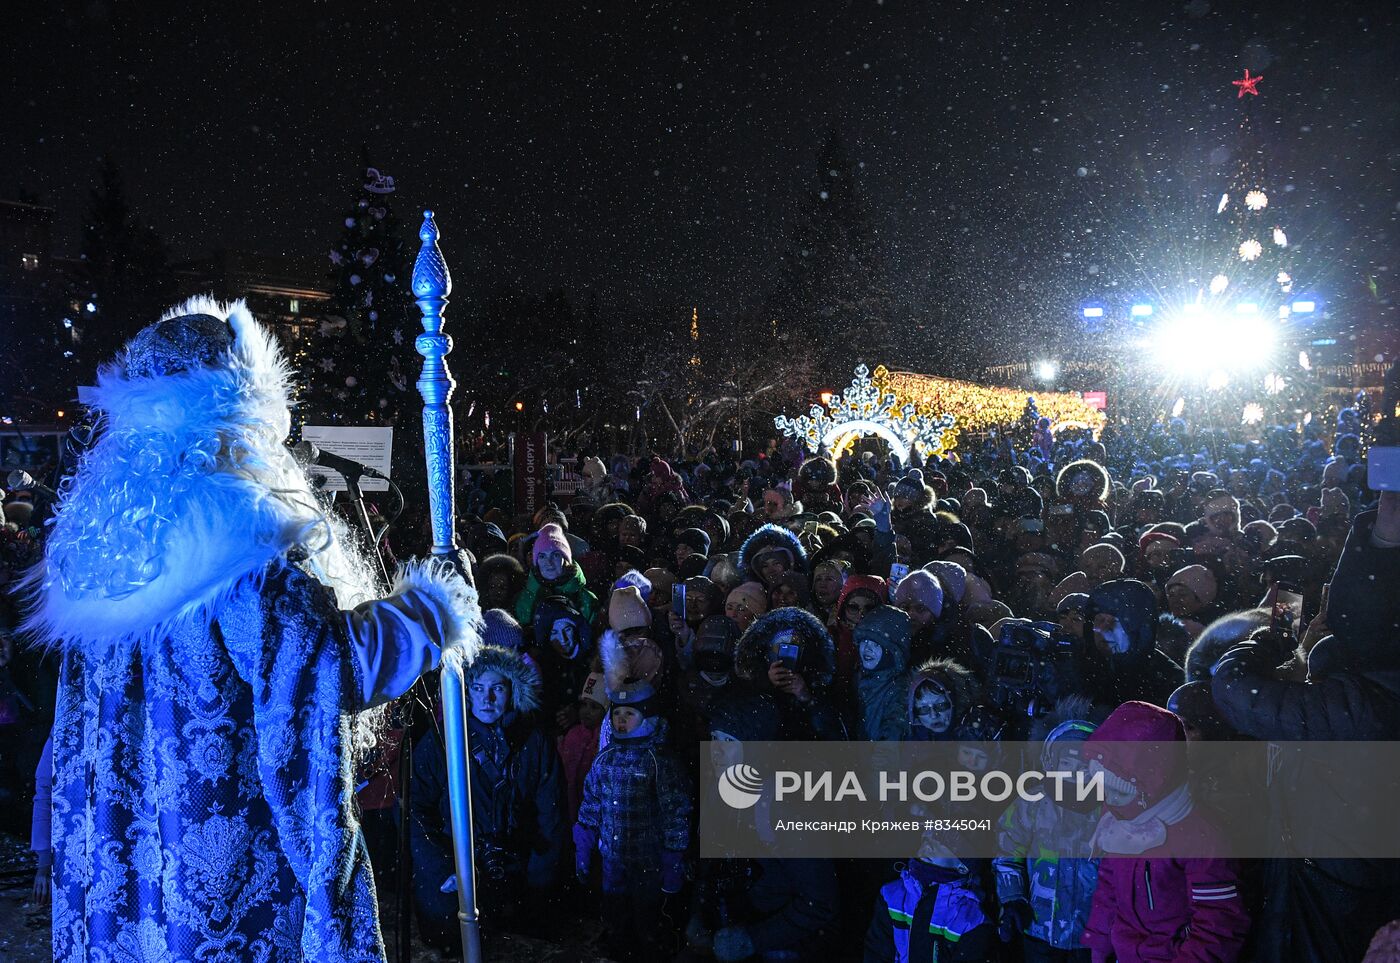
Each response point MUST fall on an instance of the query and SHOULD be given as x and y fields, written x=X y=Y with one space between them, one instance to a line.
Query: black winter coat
x=1110 y=682
x=1326 y=909
x=517 y=800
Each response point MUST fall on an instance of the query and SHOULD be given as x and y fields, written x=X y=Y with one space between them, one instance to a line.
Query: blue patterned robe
x=211 y=691
x=203 y=786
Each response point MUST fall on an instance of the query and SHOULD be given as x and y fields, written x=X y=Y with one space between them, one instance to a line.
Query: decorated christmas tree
x=360 y=359
x=1253 y=266
x=1255 y=279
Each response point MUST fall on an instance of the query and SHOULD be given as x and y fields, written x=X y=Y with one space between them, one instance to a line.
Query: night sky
x=1018 y=156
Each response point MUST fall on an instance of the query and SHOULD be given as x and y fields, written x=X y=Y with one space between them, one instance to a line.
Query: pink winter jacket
x=1158 y=908
x=1153 y=906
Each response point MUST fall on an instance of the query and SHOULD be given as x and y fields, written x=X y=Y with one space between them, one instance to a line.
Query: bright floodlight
x=1045 y=371
x=1142 y=310
x=1247 y=307
x=1304 y=307
x=1185 y=344
x=1094 y=311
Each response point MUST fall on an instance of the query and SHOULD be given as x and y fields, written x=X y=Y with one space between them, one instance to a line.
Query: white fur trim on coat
x=159 y=525
x=436 y=578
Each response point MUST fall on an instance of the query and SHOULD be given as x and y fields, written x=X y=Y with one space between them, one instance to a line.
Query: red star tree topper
x=1250 y=85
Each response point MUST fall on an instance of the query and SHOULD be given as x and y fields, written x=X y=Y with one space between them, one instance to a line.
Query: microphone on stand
x=20 y=480
x=308 y=454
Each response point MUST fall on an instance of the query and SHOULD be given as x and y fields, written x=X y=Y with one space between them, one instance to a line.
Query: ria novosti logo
x=740 y=785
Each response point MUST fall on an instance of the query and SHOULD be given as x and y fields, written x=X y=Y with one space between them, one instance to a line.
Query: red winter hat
x=1149 y=537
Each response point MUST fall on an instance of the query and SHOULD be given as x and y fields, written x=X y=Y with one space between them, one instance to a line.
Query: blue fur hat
x=771 y=538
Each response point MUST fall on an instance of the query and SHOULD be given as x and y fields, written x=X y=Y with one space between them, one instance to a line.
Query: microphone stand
x=402 y=895
x=352 y=488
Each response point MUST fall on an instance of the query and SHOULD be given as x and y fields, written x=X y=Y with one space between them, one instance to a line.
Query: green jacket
x=572 y=586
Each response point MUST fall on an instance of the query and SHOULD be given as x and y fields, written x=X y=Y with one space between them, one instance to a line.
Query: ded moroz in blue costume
x=222 y=655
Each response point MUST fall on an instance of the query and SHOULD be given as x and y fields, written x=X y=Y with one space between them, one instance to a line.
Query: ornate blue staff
x=431 y=286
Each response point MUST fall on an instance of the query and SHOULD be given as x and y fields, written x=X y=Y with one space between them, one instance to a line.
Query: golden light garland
x=911 y=406
x=981 y=407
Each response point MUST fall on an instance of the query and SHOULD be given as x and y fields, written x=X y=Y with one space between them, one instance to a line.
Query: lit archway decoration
x=868 y=407
x=839 y=437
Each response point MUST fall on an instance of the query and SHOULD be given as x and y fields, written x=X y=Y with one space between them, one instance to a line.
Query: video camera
x=1029 y=670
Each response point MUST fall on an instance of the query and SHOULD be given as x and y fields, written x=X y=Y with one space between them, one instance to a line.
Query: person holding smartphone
x=789 y=653
x=1327 y=909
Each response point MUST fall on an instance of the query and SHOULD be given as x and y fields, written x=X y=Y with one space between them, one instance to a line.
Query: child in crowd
x=1148 y=905
x=635 y=814
x=579 y=746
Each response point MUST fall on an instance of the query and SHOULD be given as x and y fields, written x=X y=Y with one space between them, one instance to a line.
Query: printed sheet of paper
x=370 y=446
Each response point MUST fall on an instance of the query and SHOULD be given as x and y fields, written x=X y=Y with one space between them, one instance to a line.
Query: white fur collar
x=188 y=493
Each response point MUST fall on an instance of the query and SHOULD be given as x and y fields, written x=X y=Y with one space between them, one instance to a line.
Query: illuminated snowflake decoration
x=1224 y=203
x=1280 y=238
x=1253 y=414
x=1284 y=278
x=1250 y=250
x=1218 y=284
x=1274 y=383
x=868 y=408
x=1256 y=200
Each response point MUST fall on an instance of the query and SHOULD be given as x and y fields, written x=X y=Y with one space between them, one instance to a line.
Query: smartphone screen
x=784 y=649
x=1287 y=608
x=1383 y=468
x=897 y=572
x=678 y=599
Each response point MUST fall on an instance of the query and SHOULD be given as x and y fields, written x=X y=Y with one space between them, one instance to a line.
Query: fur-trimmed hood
x=523 y=678
x=768 y=538
x=1084 y=479
x=817 y=473
x=958 y=681
x=817 y=663
x=1218 y=638
x=188 y=492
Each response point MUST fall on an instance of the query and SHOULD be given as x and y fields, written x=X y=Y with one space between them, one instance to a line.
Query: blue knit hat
x=500 y=628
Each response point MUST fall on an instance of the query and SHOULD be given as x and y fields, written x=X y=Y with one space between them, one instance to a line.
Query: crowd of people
x=1078 y=593
x=797 y=598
